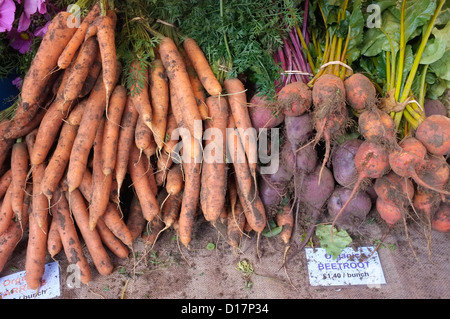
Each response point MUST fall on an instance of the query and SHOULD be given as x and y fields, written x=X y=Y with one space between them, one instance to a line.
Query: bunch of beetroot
x=323 y=169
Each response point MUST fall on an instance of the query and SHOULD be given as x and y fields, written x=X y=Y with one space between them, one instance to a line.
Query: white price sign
x=351 y=267
x=15 y=286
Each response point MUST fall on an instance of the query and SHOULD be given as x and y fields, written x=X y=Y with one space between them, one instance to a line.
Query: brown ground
x=173 y=272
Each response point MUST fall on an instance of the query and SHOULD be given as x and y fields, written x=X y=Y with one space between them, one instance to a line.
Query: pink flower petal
x=7 y=11
x=40 y=32
x=24 y=22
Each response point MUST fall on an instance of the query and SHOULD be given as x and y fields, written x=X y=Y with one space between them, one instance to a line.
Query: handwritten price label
x=15 y=286
x=351 y=267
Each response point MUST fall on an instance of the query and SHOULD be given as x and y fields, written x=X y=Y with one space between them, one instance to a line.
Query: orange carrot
x=197 y=87
x=190 y=201
x=237 y=101
x=77 y=39
x=19 y=170
x=38 y=75
x=47 y=133
x=180 y=84
x=91 y=238
x=214 y=167
x=106 y=39
x=37 y=233
x=40 y=202
x=59 y=160
x=13 y=235
x=138 y=169
x=125 y=142
x=140 y=93
x=82 y=64
x=111 y=130
x=159 y=98
x=6 y=212
x=142 y=135
x=115 y=245
x=69 y=237
x=135 y=219
x=5 y=181
x=91 y=78
x=285 y=218
x=251 y=202
x=163 y=165
x=170 y=142
x=54 y=244
x=114 y=221
x=86 y=133
x=235 y=225
x=202 y=67
x=175 y=180
x=101 y=183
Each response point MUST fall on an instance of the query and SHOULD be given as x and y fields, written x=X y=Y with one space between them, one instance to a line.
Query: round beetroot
x=295 y=98
x=355 y=212
x=263 y=114
x=343 y=162
x=432 y=107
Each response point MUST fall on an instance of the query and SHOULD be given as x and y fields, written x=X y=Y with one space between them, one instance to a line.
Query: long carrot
x=57 y=164
x=101 y=183
x=114 y=221
x=91 y=78
x=6 y=211
x=91 y=238
x=251 y=202
x=159 y=97
x=85 y=59
x=202 y=67
x=40 y=202
x=111 y=130
x=135 y=219
x=47 y=133
x=77 y=39
x=197 y=87
x=37 y=233
x=115 y=245
x=214 y=167
x=125 y=142
x=237 y=100
x=138 y=169
x=70 y=238
x=86 y=133
x=106 y=39
x=19 y=168
x=180 y=84
x=38 y=75
x=140 y=92
x=190 y=201
x=13 y=235
x=5 y=181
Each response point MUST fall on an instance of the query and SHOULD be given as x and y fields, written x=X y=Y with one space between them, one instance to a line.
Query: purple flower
x=21 y=41
x=30 y=7
x=40 y=31
x=17 y=82
x=7 y=11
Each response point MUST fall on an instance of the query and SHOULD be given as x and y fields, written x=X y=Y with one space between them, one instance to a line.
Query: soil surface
x=209 y=268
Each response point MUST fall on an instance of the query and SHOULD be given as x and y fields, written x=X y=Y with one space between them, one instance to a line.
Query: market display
x=150 y=115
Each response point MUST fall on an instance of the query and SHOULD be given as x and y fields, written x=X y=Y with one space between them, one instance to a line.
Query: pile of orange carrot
x=80 y=143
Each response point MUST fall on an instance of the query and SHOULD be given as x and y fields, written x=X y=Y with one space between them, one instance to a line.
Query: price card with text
x=14 y=286
x=351 y=267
